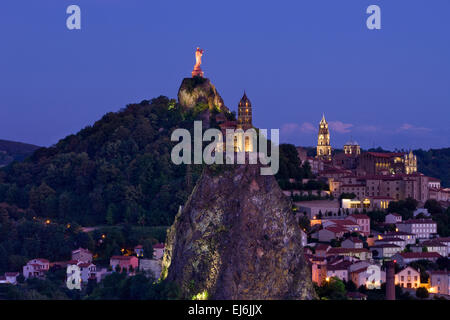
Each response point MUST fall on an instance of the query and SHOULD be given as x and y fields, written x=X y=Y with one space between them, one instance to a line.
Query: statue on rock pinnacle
x=197 y=72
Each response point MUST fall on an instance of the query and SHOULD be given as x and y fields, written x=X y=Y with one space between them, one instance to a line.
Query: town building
x=393 y=218
x=36 y=268
x=439 y=282
x=158 y=251
x=9 y=278
x=421 y=228
x=408 y=278
x=433 y=245
x=353 y=242
x=363 y=221
x=385 y=250
x=323 y=141
x=81 y=254
x=404 y=258
x=409 y=238
x=127 y=263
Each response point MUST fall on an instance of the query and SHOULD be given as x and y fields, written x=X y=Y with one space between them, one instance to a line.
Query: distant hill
x=14 y=151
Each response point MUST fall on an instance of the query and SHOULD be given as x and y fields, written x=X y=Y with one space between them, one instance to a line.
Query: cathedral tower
x=323 y=141
x=245 y=112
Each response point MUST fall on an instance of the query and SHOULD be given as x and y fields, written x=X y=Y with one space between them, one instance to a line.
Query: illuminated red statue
x=198 y=61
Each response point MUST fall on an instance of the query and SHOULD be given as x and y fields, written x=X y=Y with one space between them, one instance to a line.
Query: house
x=393 y=218
x=404 y=258
x=9 y=278
x=158 y=251
x=338 y=270
x=352 y=242
x=362 y=254
x=408 y=278
x=88 y=271
x=431 y=246
x=36 y=268
x=439 y=282
x=139 y=250
x=349 y=225
x=409 y=238
x=81 y=254
x=321 y=249
x=332 y=232
x=151 y=266
x=363 y=221
x=127 y=263
x=369 y=276
x=385 y=250
x=392 y=240
x=422 y=228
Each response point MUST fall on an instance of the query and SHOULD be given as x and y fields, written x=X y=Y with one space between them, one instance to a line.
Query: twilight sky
x=295 y=59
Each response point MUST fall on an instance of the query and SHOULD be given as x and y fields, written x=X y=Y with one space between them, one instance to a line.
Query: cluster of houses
x=361 y=251
x=83 y=259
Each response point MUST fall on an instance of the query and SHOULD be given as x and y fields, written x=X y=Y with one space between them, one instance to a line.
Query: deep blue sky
x=295 y=59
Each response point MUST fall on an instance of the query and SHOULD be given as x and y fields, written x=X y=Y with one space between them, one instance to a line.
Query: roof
x=322 y=246
x=356 y=295
x=386 y=155
x=396 y=234
x=336 y=229
x=40 y=260
x=81 y=249
x=390 y=239
x=122 y=257
x=394 y=214
x=354 y=240
x=433 y=242
x=438 y=272
x=359 y=216
x=418 y=255
x=346 y=250
x=433 y=179
x=11 y=274
x=385 y=245
x=158 y=246
x=416 y=221
x=343 y=265
x=139 y=246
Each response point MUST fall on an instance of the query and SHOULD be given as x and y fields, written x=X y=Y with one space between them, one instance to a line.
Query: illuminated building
x=323 y=141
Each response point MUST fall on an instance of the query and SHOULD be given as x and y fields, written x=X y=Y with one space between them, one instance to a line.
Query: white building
x=393 y=218
x=385 y=250
x=422 y=228
x=409 y=238
x=36 y=268
x=369 y=276
x=433 y=245
x=352 y=243
x=408 y=278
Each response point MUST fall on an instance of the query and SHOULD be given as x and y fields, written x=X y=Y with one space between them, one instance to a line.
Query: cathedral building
x=323 y=141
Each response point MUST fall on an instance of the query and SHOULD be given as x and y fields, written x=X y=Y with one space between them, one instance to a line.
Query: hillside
x=118 y=170
x=14 y=151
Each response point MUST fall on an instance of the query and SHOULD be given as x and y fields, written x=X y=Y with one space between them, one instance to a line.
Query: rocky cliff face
x=236 y=238
x=200 y=90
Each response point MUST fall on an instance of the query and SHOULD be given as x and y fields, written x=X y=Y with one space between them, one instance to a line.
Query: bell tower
x=245 y=112
x=323 y=141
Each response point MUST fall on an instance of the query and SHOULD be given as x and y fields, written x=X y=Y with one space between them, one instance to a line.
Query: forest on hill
x=14 y=151
x=118 y=170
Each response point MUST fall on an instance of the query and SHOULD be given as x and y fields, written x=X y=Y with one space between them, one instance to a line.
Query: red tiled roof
x=418 y=255
x=336 y=229
x=158 y=246
x=415 y=221
x=122 y=257
x=346 y=250
x=11 y=274
x=385 y=245
x=360 y=216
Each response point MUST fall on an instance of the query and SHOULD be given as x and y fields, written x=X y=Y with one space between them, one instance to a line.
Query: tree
x=422 y=293
x=433 y=206
x=333 y=289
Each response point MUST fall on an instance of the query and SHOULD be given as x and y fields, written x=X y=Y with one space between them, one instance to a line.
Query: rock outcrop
x=200 y=90
x=236 y=238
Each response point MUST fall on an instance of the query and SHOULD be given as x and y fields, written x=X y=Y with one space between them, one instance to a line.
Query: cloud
x=367 y=128
x=293 y=128
x=409 y=127
x=339 y=126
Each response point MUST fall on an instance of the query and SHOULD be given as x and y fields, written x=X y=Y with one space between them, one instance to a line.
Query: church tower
x=323 y=141
x=245 y=112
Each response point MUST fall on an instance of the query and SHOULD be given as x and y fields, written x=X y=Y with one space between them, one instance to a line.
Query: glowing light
x=47 y=221
x=68 y=226
x=103 y=236
x=327 y=279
